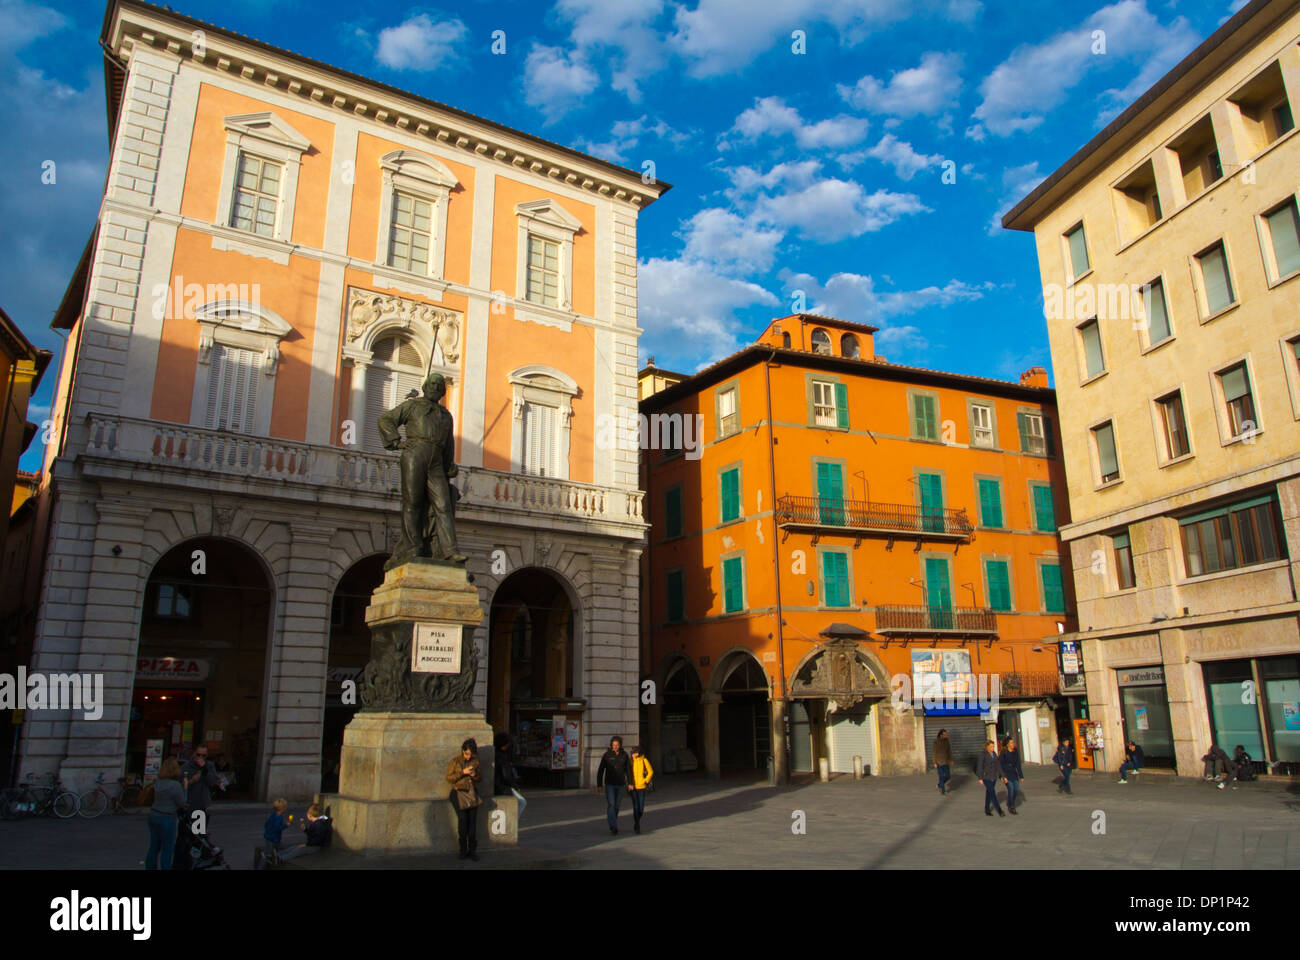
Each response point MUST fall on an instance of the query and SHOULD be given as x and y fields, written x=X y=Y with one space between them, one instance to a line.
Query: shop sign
x=1069 y=657
x=340 y=674
x=677 y=718
x=1142 y=677
x=187 y=669
x=435 y=648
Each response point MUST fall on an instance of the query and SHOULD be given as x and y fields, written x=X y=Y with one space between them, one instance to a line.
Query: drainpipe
x=780 y=751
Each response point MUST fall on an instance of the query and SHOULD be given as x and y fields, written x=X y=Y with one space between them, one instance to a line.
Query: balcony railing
x=1033 y=683
x=131 y=440
x=932 y=621
x=872 y=518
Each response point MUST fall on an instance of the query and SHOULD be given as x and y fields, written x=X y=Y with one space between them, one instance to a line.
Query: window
x=849 y=347
x=938 y=594
x=1173 y=425
x=729 y=495
x=239 y=351
x=1138 y=201
x=232 y=389
x=543 y=412
x=174 y=602
x=1238 y=535
x=1216 y=284
x=733 y=584
x=257 y=191
x=821 y=341
x=997 y=579
x=990 y=499
x=1240 y=405
x=836 y=591
x=785 y=340
x=830 y=404
x=925 y=416
x=543 y=272
x=981 y=425
x=930 y=493
x=1123 y=561
x=672 y=513
x=413 y=213
x=396 y=371
x=1198 y=158
x=1156 y=312
x=1044 y=508
x=411 y=230
x=1035 y=434
x=259 y=178
x=545 y=268
x=1282 y=252
x=728 y=415
x=1103 y=438
x=1090 y=338
x=1077 y=247
x=1264 y=109
x=830 y=492
x=1053 y=596
x=676 y=590
x=539 y=439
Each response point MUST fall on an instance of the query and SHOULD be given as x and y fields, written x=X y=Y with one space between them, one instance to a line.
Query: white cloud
x=926 y=89
x=421 y=43
x=1017 y=182
x=626 y=135
x=555 y=82
x=1036 y=78
x=830 y=210
x=725 y=239
x=621 y=34
x=772 y=116
x=899 y=154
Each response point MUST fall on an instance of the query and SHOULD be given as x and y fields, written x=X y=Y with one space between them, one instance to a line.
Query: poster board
x=153 y=753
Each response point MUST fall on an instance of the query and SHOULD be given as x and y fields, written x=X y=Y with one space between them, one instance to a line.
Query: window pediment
x=238 y=323
x=269 y=128
x=419 y=168
x=548 y=213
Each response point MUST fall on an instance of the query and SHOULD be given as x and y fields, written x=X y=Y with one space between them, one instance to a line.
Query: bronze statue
x=427 y=449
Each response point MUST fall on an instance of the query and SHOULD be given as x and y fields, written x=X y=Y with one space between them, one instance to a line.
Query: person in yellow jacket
x=642 y=774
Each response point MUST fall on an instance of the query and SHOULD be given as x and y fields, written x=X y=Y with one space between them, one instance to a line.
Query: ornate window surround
x=427 y=178
x=263 y=135
x=244 y=326
x=548 y=220
x=540 y=384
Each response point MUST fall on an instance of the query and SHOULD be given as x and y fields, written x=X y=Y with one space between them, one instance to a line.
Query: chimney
x=1034 y=377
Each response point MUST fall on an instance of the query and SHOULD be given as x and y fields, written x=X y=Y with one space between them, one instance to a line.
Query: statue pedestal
x=394 y=797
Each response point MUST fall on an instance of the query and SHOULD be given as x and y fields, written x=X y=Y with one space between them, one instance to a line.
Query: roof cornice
x=130 y=24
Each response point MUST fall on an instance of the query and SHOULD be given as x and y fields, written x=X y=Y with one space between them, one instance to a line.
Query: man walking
x=1012 y=772
x=199 y=779
x=990 y=772
x=1064 y=760
x=615 y=774
x=1132 y=761
x=943 y=760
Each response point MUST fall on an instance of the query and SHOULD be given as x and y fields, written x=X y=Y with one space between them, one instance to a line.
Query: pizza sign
x=171 y=668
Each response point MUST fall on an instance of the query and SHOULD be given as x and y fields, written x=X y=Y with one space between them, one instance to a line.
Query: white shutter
x=377 y=386
x=216 y=371
x=850 y=735
x=243 y=417
x=539 y=440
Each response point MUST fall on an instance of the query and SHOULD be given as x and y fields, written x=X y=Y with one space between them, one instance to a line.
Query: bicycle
x=38 y=800
x=96 y=800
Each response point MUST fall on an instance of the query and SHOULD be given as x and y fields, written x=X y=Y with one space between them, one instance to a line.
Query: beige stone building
x=1169 y=248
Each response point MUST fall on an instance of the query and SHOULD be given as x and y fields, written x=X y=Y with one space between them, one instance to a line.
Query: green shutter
x=990 y=492
x=1044 y=509
x=730 y=494
x=1022 y=424
x=938 y=593
x=733 y=594
x=835 y=579
x=676 y=599
x=999 y=580
x=673 y=513
x=924 y=425
x=931 y=485
x=830 y=493
x=842 y=405
x=1053 y=598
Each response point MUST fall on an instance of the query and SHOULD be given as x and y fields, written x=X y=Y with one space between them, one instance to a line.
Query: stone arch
x=730 y=660
x=869 y=660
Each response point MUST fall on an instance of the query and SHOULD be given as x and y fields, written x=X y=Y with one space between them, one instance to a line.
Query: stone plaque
x=435 y=648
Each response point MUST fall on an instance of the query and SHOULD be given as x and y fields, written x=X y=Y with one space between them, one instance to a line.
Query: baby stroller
x=206 y=855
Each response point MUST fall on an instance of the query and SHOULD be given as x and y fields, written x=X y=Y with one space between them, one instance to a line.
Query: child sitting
x=319 y=829
x=272 y=831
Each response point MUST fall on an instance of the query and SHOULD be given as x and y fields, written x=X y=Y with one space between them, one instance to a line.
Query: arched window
x=397 y=370
x=785 y=340
x=849 y=346
x=746 y=675
x=821 y=341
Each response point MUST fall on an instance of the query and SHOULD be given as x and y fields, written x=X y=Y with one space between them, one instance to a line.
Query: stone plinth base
x=393 y=791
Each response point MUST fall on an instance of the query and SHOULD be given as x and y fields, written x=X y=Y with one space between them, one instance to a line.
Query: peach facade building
x=284 y=250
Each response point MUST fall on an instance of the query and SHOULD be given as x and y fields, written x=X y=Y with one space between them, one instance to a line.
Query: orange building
x=834 y=522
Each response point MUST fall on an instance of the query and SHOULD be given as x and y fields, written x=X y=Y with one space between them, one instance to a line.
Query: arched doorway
x=680 y=742
x=349 y=651
x=201 y=661
x=833 y=712
x=532 y=676
x=744 y=715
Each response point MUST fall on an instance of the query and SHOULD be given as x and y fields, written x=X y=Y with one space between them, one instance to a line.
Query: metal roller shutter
x=968 y=736
x=850 y=735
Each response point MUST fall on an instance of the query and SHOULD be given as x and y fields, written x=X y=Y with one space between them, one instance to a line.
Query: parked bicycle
x=38 y=800
x=96 y=800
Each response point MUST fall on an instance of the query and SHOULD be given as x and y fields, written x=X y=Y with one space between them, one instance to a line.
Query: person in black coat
x=615 y=774
x=1064 y=760
x=1012 y=772
x=504 y=777
x=1133 y=759
x=1242 y=762
x=990 y=772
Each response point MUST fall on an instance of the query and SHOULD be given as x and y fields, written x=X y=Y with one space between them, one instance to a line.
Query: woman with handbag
x=463 y=773
x=642 y=776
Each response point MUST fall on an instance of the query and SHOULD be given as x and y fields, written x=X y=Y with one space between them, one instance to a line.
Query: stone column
x=709 y=703
x=612 y=662
x=1188 y=714
x=1103 y=697
x=780 y=746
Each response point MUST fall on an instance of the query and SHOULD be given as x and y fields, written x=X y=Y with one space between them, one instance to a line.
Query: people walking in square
x=1133 y=759
x=1064 y=760
x=943 y=760
x=1012 y=772
x=463 y=773
x=168 y=804
x=990 y=772
x=642 y=774
x=615 y=774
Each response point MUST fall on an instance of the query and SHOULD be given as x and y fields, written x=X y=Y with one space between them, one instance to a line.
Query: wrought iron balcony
x=1032 y=683
x=869 y=518
x=301 y=470
x=928 y=621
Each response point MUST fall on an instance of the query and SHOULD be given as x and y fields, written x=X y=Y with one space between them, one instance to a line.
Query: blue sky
x=819 y=171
